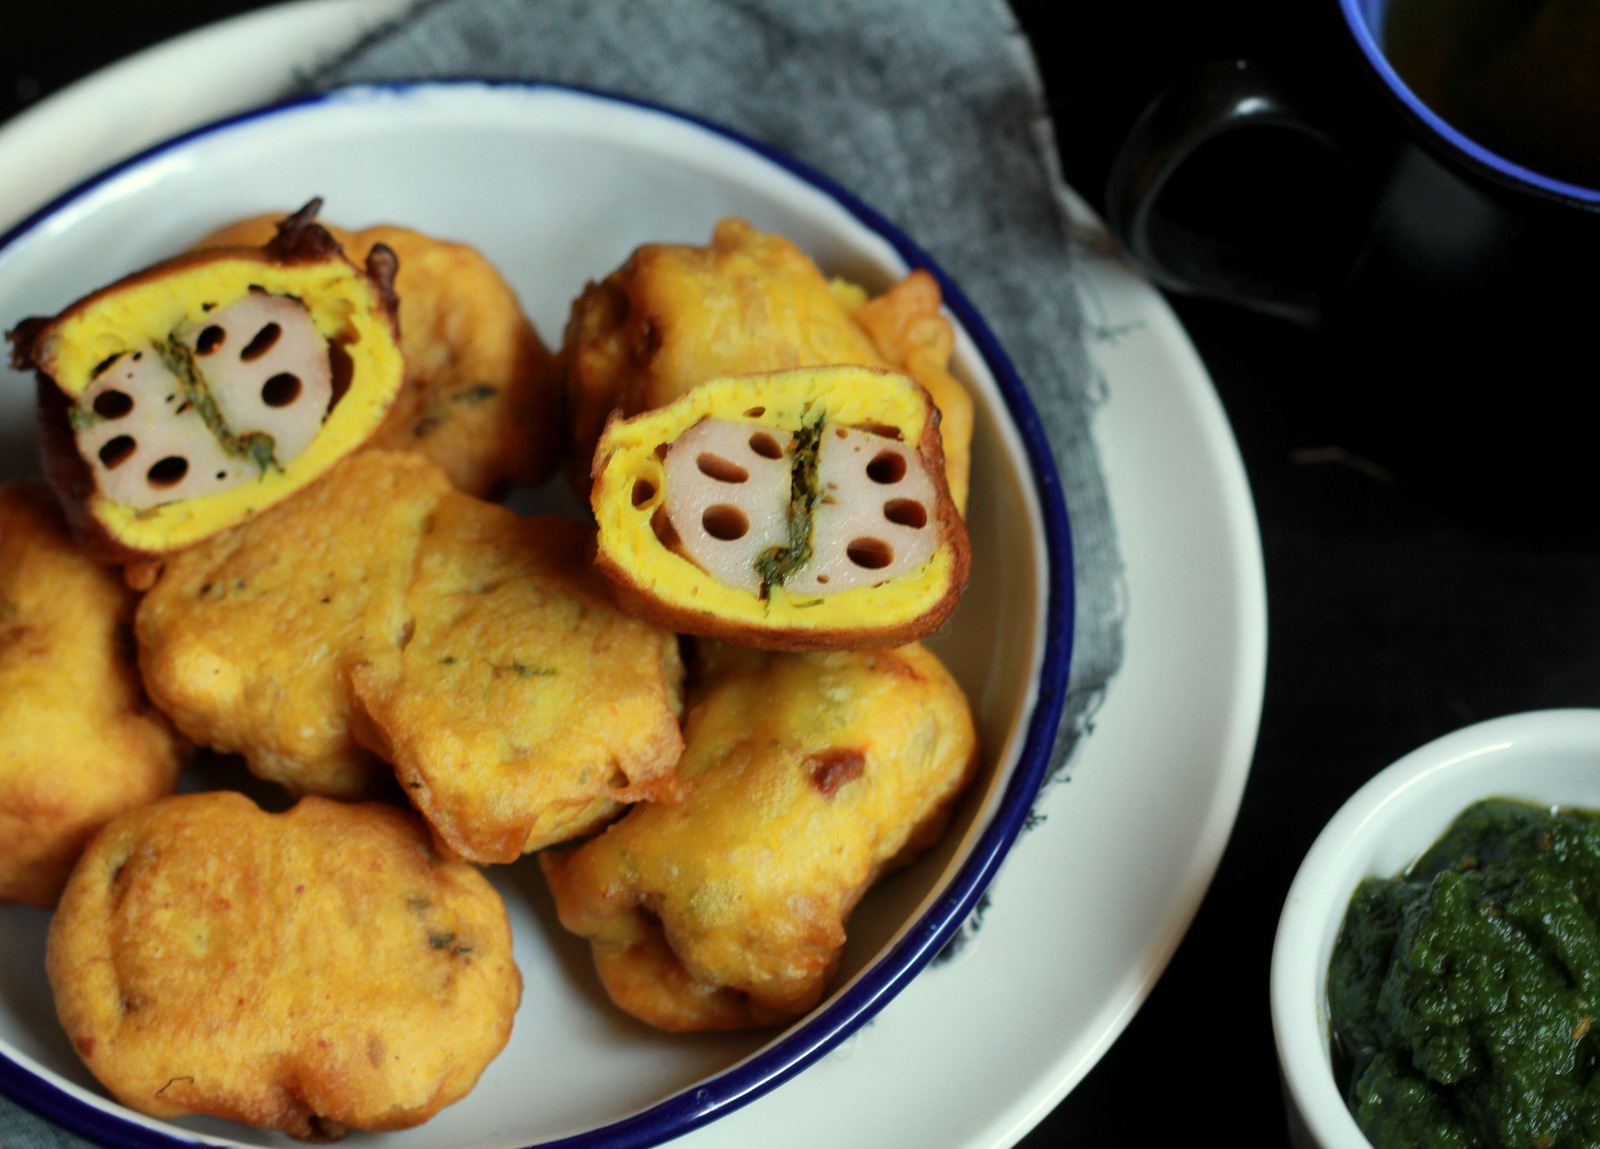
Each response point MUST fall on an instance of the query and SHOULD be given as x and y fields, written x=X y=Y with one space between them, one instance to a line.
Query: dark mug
x=1450 y=286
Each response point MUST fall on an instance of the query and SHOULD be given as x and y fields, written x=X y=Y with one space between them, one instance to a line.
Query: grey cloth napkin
x=940 y=103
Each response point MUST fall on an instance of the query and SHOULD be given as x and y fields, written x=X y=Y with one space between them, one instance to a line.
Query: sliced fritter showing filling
x=79 y=743
x=676 y=315
x=189 y=397
x=799 y=510
x=384 y=617
x=312 y=972
x=247 y=639
x=807 y=776
x=480 y=397
x=524 y=708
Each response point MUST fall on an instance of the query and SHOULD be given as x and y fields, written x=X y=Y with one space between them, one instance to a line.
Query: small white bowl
x=1551 y=757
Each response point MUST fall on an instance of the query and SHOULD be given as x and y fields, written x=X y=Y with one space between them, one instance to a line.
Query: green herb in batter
x=256 y=446
x=776 y=564
x=81 y=418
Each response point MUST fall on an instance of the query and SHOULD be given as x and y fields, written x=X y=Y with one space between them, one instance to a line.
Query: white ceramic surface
x=1084 y=916
x=1551 y=757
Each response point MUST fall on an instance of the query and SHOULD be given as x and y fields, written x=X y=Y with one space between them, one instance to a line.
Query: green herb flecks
x=776 y=564
x=476 y=395
x=439 y=411
x=523 y=670
x=256 y=446
x=81 y=418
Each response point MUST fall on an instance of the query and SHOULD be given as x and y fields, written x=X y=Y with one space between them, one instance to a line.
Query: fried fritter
x=674 y=316
x=79 y=744
x=246 y=640
x=908 y=327
x=808 y=775
x=184 y=399
x=800 y=510
x=311 y=972
x=524 y=708
x=383 y=611
x=480 y=395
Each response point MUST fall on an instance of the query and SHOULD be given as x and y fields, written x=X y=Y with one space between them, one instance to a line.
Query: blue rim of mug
x=1362 y=16
x=921 y=939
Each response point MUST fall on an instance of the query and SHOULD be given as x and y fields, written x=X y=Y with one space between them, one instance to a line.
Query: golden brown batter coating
x=674 y=316
x=808 y=776
x=311 y=972
x=246 y=639
x=524 y=708
x=383 y=611
x=908 y=327
x=480 y=395
x=79 y=744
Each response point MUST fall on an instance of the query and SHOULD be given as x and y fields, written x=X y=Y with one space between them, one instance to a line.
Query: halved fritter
x=807 y=776
x=312 y=971
x=191 y=396
x=676 y=315
x=799 y=510
x=480 y=396
x=79 y=743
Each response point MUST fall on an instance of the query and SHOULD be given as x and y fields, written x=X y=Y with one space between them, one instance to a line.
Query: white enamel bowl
x=557 y=187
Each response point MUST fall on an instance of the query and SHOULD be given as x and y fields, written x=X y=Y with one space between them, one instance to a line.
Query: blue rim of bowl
x=1360 y=16
x=889 y=973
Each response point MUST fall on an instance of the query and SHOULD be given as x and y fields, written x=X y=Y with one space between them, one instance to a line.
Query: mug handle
x=1220 y=98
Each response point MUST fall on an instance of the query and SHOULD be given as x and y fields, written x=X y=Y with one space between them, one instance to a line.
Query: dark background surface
x=1402 y=602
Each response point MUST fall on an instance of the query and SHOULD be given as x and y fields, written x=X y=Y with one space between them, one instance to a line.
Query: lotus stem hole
x=168 y=471
x=211 y=338
x=887 y=467
x=117 y=451
x=281 y=390
x=720 y=469
x=112 y=404
x=725 y=522
x=906 y=513
x=262 y=343
x=765 y=445
x=869 y=553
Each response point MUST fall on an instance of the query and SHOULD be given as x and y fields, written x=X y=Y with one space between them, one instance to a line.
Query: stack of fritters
x=384 y=633
x=474 y=650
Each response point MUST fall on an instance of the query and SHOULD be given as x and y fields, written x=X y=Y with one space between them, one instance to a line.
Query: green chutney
x=1464 y=994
